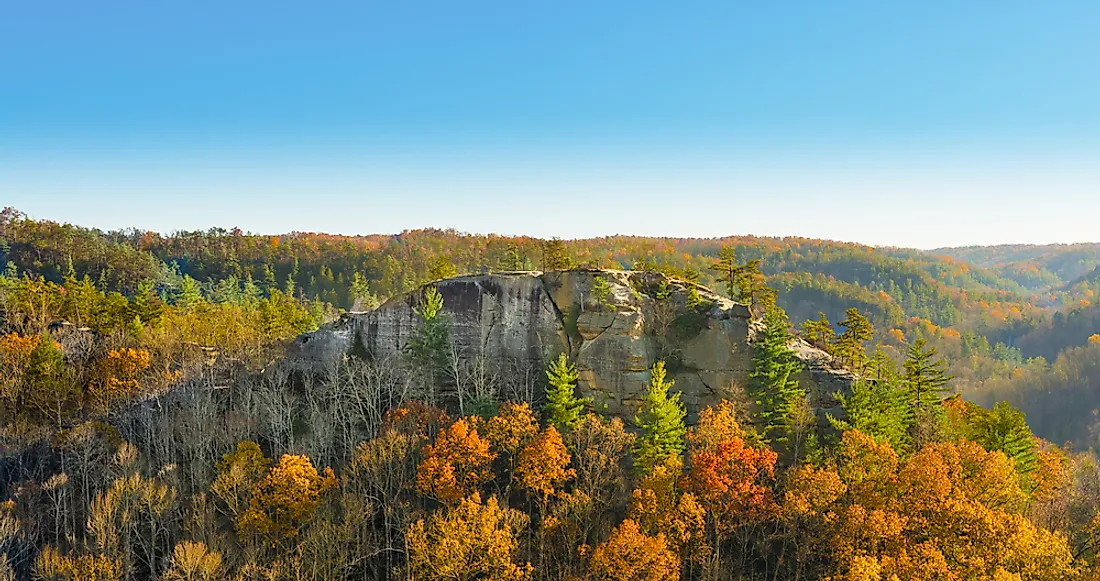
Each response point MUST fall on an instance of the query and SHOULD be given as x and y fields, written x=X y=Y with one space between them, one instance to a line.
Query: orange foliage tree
x=455 y=464
x=631 y=555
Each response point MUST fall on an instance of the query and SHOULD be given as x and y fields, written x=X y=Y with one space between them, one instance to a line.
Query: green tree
x=1004 y=428
x=512 y=259
x=774 y=387
x=661 y=421
x=563 y=407
x=555 y=256
x=441 y=268
x=876 y=408
x=849 y=347
x=820 y=333
x=727 y=268
x=601 y=291
x=428 y=345
x=926 y=377
x=188 y=295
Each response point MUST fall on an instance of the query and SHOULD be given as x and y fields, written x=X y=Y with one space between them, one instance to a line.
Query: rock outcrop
x=614 y=324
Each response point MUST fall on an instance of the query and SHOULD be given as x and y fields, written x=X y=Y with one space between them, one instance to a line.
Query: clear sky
x=901 y=123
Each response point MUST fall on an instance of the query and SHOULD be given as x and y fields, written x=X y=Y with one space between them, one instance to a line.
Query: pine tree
x=925 y=375
x=877 y=408
x=848 y=347
x=1004 y=428
x=820 y=333
x=555 y=256
x=774 y=388
x=441 y=268
x=661 y=421
x=727 y=269
x=428 y=346
x=512 y=259
x=563 y=407
x=601 y=291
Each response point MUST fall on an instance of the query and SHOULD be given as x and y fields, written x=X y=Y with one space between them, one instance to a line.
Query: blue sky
x=899 y=123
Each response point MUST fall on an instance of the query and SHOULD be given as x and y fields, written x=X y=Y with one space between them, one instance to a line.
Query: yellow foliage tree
x=119 y=373
x=51 y=565
x=472 y=540
x=194 y=562
x=631 y=555
x=284 y=500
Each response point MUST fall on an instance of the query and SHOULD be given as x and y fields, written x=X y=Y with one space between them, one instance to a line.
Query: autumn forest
x=152 y=427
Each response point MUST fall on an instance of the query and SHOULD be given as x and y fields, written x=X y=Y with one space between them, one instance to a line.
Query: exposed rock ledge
x=525 y=318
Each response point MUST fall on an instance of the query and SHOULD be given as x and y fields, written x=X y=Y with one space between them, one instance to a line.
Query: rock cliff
x=614 y=324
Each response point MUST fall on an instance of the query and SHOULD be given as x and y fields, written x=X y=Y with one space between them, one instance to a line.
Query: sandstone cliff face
x=614 y=332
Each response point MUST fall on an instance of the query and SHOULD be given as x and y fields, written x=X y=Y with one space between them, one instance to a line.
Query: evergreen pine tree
x=1004 y=428
x=848 y=347
x=820 y=333
x=563 y=407
x=601 y=291
x=774 y=388
x=661 y=421
x=555 y=256
x=925 y=375
x=877 y=408
x=428 y=346
x=727 y=269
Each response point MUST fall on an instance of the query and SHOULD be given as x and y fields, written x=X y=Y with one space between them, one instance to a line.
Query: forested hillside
x=153 y=429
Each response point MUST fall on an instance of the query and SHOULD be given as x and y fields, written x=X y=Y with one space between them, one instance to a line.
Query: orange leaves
x=731 y=480
x=285 y=499
x=543 y=464
x=472 y=540
x=455 y=464
x=951 y=511
x=631 y=555
x=1094 y=339
x=120 y=370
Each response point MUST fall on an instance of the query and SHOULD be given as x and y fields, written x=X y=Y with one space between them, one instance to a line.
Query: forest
x=152 y=428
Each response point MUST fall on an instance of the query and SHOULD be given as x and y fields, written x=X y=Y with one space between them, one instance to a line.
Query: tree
x=441 y=268
x=51 y=565
x=127 y=521
x=661 y=421
x=727 y=268
x=1002 y=428
x=193 y=561
x=926 y=377
x=455 y=464
x=544 y=464
x=284 y=500
x=555 y=256
x=877 y=408
x=49 y=389
x=429 y=345
x=472 y=540
x=631 y=555
x=563 y=407
x=730 y=479
x=774 y=385
x=237 y=473
x=512 y=260
x=820 y=333
x=601 y=291
x=849 y=347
